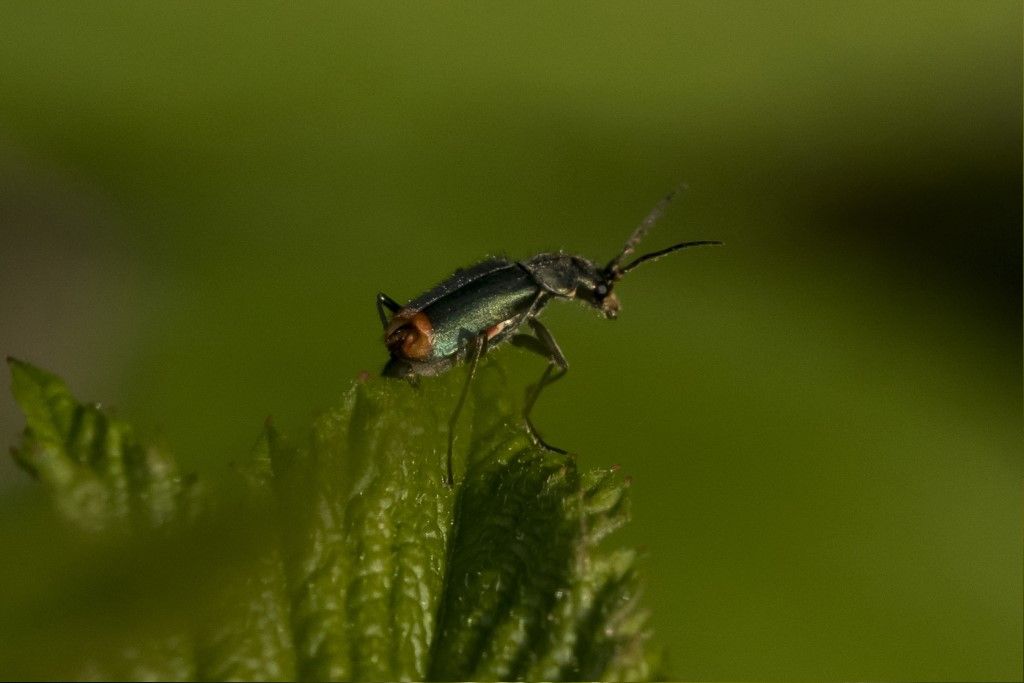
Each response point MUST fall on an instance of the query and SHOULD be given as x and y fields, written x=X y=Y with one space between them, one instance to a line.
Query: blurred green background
x=822 y=419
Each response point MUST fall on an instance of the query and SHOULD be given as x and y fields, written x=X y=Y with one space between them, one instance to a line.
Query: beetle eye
x=601 y=291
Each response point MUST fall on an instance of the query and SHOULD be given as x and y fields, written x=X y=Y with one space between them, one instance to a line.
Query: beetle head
x=594 y=287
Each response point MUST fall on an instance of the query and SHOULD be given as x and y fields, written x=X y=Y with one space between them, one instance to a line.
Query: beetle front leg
x=477 y=347
x=545 y=345
x=385 y=301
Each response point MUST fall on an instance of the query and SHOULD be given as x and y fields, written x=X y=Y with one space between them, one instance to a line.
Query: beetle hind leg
x=545 y=345
x=477 y=347
x=550 y=376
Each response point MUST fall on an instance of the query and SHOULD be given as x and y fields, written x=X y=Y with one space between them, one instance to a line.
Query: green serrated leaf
x=369 y=522
x=525 y=569
x=101 y=476
x=364 y=564
x=247 y=635
x=45 y=400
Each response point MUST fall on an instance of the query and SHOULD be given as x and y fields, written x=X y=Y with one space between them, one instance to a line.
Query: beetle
x=484 y=305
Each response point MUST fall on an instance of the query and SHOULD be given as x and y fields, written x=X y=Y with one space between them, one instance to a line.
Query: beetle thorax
x=561 y=274
x=575 y=277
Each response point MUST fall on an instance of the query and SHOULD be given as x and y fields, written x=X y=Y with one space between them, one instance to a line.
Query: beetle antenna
x=641 y=230
x=655 y=255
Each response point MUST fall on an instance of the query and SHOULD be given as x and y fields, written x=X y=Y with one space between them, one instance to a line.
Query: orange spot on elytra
x=410 y=335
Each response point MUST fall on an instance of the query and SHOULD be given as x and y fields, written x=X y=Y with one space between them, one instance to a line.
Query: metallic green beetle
x=483 y=305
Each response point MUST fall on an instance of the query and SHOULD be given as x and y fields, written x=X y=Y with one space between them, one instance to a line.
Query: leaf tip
x=25 y=369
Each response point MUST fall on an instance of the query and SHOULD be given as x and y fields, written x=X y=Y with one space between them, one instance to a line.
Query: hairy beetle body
x=484 y=305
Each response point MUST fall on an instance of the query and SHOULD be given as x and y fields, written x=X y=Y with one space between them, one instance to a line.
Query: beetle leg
x=531 y=343
x=477 y=346
x=555 y=370
x=385 y=301
x=529 y=312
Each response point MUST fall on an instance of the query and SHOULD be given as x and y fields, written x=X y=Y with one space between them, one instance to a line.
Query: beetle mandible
x=483 y=305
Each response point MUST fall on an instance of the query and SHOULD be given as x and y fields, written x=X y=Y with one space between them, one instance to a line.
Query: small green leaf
x=100 y=474
x=44 y=399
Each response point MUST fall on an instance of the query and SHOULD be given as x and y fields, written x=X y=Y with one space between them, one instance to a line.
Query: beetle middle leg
x=476 y=348
x=545 y=345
